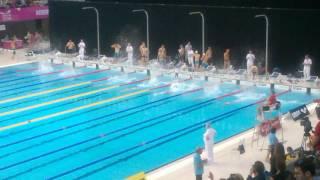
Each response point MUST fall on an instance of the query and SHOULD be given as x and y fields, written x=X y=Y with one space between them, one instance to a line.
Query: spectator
x=278 y=161
x=257 y=172
x=315 y=137
x=191 y=58
x=198 y=163
x=304 y=169
x=235 y=177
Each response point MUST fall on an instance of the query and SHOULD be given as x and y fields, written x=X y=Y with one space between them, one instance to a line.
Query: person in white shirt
x=129 y=50
x=208 y=139
x=191 y=57
x=187 y=47
x=250 y=61
x=306 y=67
x=82 y=47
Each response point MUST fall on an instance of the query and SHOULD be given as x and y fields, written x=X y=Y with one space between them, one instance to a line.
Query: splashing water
x=68 y=71
x=153 y=82
x=122 y=79
x=44 y=67
x=249 y=96
x=212 y=90
x=180 y=87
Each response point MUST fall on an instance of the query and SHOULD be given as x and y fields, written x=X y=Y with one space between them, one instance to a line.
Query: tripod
x=305 y=138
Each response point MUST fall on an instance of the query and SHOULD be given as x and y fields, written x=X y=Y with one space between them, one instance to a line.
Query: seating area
x=21 y=3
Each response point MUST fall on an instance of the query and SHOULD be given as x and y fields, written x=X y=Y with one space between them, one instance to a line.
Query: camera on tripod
x=305 y=122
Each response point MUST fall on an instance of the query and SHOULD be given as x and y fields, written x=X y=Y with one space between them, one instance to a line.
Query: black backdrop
x=293 y=33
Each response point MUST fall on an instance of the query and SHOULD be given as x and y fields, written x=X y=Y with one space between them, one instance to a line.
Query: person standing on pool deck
x=82 y=47
x=198 y=163
x=129 y=50
x=250 y=61
x=306 y=67
x=208 y=139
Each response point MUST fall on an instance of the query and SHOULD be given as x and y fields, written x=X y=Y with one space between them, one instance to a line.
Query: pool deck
x=227 y=159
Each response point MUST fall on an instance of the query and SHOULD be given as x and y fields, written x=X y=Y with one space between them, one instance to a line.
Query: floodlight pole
x=147 y=22
x=203 y=39
x=267 y=39
x=98 y=26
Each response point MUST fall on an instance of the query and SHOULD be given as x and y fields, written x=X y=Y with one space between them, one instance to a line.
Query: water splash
x=183 y=86
x=68 y=71
x=153 y=82
x=249 y=96
x=44 y=67
x=122 y=79
x=212 y=90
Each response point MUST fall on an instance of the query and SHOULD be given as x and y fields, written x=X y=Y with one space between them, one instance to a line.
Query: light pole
x=202 y=16
x=267 y=38
x=98 y=27
x=147 y=22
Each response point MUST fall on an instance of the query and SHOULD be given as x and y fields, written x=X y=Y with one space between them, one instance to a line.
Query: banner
x=299 y=112
x=24 y=14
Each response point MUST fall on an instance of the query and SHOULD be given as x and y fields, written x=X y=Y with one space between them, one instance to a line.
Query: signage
x=299 y=112
x=24 y=14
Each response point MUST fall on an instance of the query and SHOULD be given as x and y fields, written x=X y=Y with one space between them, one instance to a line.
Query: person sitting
x=304 y=169
x=271 y=103
x=257 y=172
x=315 y=136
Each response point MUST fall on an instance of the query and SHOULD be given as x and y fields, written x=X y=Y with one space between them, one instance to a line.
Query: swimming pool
x=57 y=122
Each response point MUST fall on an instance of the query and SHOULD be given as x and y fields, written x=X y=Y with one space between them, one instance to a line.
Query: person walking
x=306 y=67
x=208 y=139
x=82 y=47
x=198 y=163
x=250 y=61
x=129 y=51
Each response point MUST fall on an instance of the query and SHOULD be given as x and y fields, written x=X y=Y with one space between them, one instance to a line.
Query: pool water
x=57 y=122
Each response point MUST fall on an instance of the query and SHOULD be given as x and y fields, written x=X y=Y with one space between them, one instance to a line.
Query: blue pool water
x=62 y=123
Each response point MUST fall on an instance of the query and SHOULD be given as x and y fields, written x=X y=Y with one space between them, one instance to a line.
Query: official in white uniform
x=82 y=47
x=306 y=67
x=208 y=139
x=250 y=61
x=129 y=50
x=191 y=58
